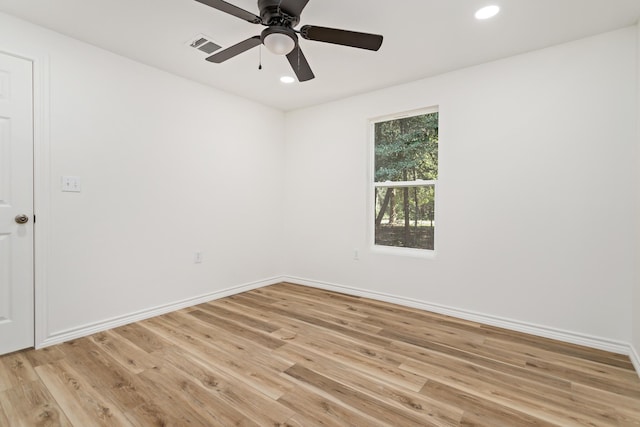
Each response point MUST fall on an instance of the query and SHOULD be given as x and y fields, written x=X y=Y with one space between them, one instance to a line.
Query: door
x=16 y=204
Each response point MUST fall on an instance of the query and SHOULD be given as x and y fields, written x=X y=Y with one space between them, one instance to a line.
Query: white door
x=16 y=199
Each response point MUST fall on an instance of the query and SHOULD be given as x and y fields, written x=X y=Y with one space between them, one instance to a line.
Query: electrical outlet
x=198 y=258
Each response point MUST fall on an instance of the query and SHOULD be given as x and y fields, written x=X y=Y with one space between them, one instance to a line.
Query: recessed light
x=287 y=79
x=487 y=12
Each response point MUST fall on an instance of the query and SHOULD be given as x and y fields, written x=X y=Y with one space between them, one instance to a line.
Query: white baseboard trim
x=635 y=358
x=92 y=328
x=514 y=325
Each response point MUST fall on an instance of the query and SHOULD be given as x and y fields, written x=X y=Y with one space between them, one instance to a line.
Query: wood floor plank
x=44 y=355
x=223 y=339
x=313 y=409
x=317 y=321
x=438 y=413
x=311 y=302
x=425 y=326
x=199 y=406
x=220 y=311
x=286 y=322
x=618 y=385
x=410 y=344
x=564 y=362
x=626 y=409
x=433 y=362
x=236 y=307
x=142 y=337
x=437 y=334
x=256 y=296
x=125 y=352
x=496 y=383
x=245 y=349
x=265 y=380
x=291 y=356
x=81 y=403
x=377 y=408
x=15 y=369
x=230 y=392
x=31 y=404
x=105 y=374
x=369 y=360
x=4 y=421
x=340 y=318
x=321 y=312
x=512 y=393
x=479 y=412
x=260 y=337
x=163 y=412
x=375 y=308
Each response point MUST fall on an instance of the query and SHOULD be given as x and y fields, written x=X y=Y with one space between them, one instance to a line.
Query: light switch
x=71 y=183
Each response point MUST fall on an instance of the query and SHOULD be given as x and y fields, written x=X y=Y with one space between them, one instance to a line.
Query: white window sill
x=407 y=252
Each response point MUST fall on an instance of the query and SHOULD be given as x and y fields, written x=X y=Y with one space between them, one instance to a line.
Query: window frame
x=373 y=185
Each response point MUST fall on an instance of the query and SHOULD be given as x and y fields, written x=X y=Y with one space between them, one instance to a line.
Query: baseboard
x=514 y=325
x=92 y=328
x=635 y=358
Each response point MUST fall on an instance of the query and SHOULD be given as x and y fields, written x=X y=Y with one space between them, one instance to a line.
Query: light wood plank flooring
x=288 y=355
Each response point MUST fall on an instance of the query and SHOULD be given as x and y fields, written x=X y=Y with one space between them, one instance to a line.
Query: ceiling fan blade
x=235 y=50
x=232 y=10
x=341 y=37
x=294 y=7
x=300 y=65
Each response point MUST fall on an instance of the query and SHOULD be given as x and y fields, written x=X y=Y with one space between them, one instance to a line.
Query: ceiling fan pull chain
x=260 y=58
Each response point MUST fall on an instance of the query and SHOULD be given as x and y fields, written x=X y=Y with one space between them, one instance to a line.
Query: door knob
x=22 y=219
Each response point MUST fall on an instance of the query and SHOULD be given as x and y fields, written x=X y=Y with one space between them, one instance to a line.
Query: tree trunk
x=383 y=208
x=392 y=206
x=407 y=214
x=407 y=209
x=415 y=200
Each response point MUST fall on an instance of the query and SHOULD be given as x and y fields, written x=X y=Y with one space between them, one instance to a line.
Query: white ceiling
x=422 y=38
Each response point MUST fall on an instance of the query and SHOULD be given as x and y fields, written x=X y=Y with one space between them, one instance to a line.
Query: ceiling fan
x=280 y=17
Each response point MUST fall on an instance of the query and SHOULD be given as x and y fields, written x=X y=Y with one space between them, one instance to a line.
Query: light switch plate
x=71 y=184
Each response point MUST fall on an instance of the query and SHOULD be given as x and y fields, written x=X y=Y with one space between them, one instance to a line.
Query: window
x=404 y=180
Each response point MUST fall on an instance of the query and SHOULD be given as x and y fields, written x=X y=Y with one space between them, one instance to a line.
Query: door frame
x=41 y=182
x=42 y=190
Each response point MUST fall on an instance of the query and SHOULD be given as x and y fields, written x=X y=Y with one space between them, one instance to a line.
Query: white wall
x=168 y=168
x=534 y=217
x=636 y=294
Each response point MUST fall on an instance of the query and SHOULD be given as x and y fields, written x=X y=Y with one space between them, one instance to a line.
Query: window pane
x=405 y=216
x=406 y=149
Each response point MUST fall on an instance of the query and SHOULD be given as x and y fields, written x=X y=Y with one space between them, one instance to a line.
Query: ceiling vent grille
x=203 y=44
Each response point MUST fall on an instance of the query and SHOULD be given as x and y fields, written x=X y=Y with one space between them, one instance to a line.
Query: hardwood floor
x=288 y=355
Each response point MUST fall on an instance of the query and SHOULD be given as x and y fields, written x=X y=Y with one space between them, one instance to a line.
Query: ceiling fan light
x=487 y=12
x=279 y=43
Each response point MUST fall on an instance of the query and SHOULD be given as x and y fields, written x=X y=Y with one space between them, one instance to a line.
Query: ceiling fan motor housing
x=273 y=15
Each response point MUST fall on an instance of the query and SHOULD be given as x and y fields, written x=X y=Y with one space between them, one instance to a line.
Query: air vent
x=203 y=43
